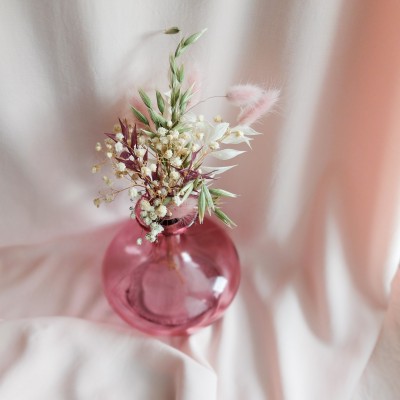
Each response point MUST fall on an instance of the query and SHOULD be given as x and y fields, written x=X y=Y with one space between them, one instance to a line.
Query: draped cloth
x=317 y=314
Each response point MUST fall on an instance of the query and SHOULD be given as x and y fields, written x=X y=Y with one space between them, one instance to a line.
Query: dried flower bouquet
x=162 y=152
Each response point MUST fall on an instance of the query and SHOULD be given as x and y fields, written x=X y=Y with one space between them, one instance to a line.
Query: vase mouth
x=178 y=218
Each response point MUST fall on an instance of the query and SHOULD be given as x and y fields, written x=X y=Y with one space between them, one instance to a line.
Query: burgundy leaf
x=125 y=154
x=111 y=136
x=124 y=129
x=134 y=136
x=194 y=155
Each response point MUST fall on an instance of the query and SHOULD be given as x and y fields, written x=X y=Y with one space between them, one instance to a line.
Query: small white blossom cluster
x=150 y=215
x=161 y=153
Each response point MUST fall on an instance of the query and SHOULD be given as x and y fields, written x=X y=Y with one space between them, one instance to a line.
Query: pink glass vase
x=174 y=286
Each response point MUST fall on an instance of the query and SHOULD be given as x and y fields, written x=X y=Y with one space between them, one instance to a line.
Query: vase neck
x=177 y=220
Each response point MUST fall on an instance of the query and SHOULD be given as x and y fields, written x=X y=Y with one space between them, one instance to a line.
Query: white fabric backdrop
x=318 y=214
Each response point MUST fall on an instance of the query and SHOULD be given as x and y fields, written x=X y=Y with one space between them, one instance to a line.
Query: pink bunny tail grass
x=242 y=95
x=253 y=112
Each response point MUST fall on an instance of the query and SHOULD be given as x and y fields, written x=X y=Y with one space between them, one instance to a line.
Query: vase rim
x=183 y=216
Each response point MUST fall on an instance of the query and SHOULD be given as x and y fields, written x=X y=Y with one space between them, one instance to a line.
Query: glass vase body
x=174 y=286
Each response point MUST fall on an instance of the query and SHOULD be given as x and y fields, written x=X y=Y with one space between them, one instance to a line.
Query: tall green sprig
x=179 y=99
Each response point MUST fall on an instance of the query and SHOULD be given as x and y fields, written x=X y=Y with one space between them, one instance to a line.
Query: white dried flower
x=143 y=214
x=119 y=147
x=177 y=162
x=157 y=202
x=145 y=205
x=133 y=215
x=177 y=200
x=169 y=123
x=153 y=167
x=133 y=193
x=159 y=146
x=98 y=146
x=174 y=175
x=168 y=154
x=107 y=180
x=195 y=147
x=199 y=135
x=161 y=211
x=162 y=131
x=140 y=152
x=109 y=155
x=139 y=241
x=164 y=140
x=119 y=136
x=97 y=202
x=121 y=167
x=151 y=237
x=145 y=171
x=153 y=216
x=163 y=191
x=109 y=197
x=156 y=228
x=214 y=145
x=147 y=221
x=141 y=140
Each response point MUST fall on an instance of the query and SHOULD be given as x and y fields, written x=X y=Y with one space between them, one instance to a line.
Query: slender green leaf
x=148 y=133
x=139 y=116
x=188 y=192
x=222 y=193
x=176 y=92
x=183 y=190
x=175 y=115
x=145 y=98
x=209 y=200
x=224 y=218
x=157 y=119
x=193 y=38
x=172 y=31
x=167 y=200
x=201 y=206
x=160 y=102
x=180 y=74
x=172 y=64
x=178 y=50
